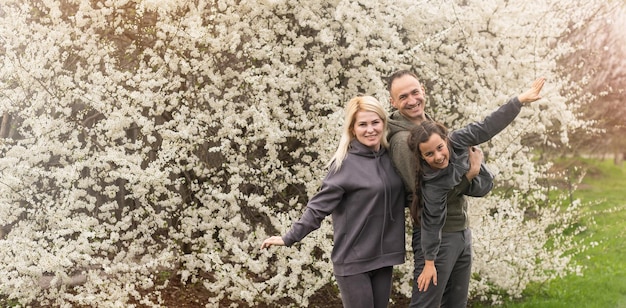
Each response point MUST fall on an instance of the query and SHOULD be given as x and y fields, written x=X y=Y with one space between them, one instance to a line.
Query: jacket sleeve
x=433 y=218
x=403 y=161
x=320 y=205
x=482 y=183
x=479 y=132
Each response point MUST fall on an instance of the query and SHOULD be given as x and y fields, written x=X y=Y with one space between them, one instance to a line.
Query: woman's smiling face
x=368 y=129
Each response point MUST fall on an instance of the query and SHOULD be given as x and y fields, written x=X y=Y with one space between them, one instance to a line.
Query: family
x=385 y=163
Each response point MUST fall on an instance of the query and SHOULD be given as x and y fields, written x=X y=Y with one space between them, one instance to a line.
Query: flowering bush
x=148 y=136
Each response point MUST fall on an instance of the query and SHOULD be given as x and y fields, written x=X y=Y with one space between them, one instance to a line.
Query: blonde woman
x=365 y=197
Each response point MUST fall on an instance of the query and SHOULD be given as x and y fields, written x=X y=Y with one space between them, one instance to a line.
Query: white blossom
x=149 y=136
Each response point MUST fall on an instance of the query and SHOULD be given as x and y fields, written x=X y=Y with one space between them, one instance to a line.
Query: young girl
x=365 y=196
x=443 y=255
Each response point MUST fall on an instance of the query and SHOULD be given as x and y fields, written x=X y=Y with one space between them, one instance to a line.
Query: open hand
x=532 y=94
x=429 y=273
x=273 y=240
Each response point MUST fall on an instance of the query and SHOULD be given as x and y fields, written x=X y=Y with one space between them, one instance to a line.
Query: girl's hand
x=429 y=273
x=532 y=94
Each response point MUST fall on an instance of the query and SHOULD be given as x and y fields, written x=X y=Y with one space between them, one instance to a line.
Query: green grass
x=603 y=280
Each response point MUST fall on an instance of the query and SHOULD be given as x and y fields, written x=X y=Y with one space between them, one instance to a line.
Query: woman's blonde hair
x=359 y=103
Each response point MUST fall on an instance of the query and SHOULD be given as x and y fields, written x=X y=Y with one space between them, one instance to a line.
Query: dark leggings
x=369 y=289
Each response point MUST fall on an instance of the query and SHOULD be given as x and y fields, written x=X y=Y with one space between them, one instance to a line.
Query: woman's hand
x=273 y=241
x=429 y=273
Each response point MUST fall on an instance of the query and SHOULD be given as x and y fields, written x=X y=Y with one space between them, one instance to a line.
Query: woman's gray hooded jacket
x=366 y=200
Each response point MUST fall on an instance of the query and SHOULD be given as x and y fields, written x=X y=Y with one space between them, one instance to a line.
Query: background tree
x=148 y=136
x=598 y=67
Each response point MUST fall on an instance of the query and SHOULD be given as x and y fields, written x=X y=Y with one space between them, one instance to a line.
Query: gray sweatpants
x=369 y=289
x=454 y=267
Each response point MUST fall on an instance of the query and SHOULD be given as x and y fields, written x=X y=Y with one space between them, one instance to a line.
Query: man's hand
x=475 y=159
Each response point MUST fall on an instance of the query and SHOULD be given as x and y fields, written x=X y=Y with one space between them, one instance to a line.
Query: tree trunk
x=618 y=158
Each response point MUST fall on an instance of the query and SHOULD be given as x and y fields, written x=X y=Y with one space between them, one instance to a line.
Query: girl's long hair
x=359 y=103
x=420 y=134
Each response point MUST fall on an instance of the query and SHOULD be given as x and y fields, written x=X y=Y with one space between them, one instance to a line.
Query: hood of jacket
x=357 y=148
x=397 y=123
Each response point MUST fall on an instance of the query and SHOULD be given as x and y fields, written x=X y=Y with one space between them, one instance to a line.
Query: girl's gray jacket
x=438 y=185
x=366 y=200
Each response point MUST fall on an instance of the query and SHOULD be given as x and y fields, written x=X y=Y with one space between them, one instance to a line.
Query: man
x=453 y=261
x=408 y=97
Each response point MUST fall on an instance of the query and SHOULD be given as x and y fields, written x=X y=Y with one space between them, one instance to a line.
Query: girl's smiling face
x=435 y=152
